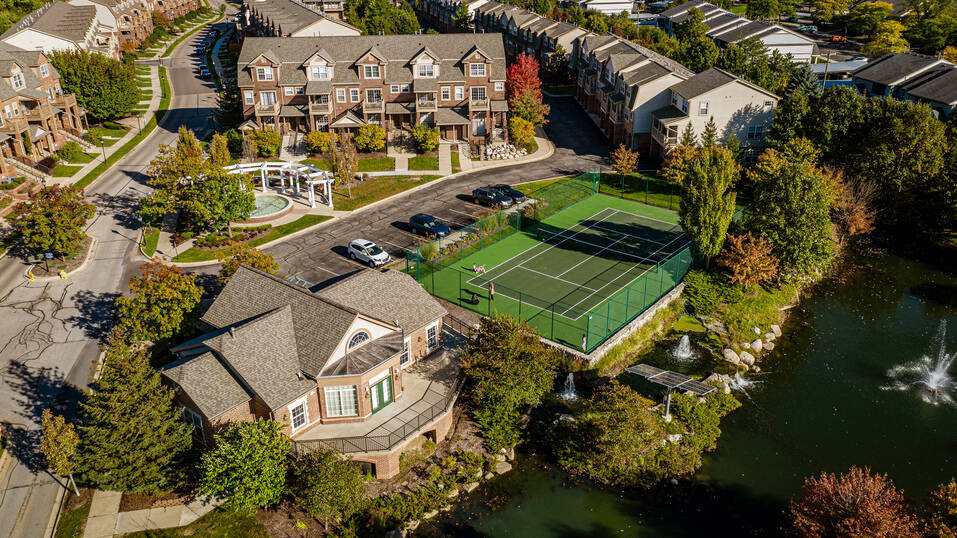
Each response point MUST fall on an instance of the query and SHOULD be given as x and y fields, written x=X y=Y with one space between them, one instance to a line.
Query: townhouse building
x=525 y=31
x=725 y=27
x=912 y=76
x=63 y=26
x=129 y=20
x=455 y=82
x=440 y=14
x=290 y=18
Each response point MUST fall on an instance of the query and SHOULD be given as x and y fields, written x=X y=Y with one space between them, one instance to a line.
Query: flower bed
x=219 y=239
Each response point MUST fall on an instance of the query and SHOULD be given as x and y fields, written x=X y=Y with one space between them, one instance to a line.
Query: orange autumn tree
x=750 y=260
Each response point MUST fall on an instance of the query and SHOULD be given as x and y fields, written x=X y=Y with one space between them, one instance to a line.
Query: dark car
x=516 y=195
x=204 y=73
x=428 y=225
x=491 y=198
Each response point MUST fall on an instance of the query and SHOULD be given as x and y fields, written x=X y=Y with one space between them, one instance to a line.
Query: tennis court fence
x=433 y=266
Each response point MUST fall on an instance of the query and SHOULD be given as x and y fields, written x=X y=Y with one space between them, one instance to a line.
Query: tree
x=219 y=151
x=802 y=79
x=370 y=138
x=709 y=138
x=462 y=19
x=827 y=10
x=853 y=504
x=219 y=198
x=852 y=203
x=160 y=301
x=530 y=108
x=105 y=87
x=750 y=260
x=521 y=131
x=522 y=77
x=266 y=141
x=249 y=148
x=866 y=16
x=791 y=209
x=161 y=20
x=59 y=443
x=170 y=170
x=426 y=138
x=344 y=161
x=556 y=70
x=375 y=17
x=55 y=220
x=624 y=160
x=319 y=142
x=950 y=54
x=688 y=137
x=696 y=50
x=133 y=438
x=789 y=118
x=242 y=254
x=887 y=39
x=329 y=487
x=508 y=368
x=941 y=511
x=768 y=9
x=248 y=465
x=707 y=199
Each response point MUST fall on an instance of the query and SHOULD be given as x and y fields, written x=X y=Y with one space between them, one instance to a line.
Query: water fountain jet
x=568 y=391
x=683 y=351
x=929 y=375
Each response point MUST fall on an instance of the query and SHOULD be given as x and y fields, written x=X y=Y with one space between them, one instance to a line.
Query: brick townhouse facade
x=291 y=18
x=455 y=82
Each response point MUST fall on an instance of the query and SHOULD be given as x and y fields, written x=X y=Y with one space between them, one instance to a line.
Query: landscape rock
x=769 y=346
x=769 y=337
x=470 y=487
x=510 y=454
x=565 y=417
x=726 y=388
x=744 y=366
x=489 y=476
x=731 y=356
x=756 y=330
x=746 y=345
x=757 y=345
x=430 y=514
x=747 y=358
x=776 y=330
x=500 y=457
x=412 y=525
x=445 y=508
x=395 y=533
x=756 y=368
x=478 y=474
x=674 y=438
x=453 y=494
x=502 y=467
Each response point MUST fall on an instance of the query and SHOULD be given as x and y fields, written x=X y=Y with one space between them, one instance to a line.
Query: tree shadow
x=95 y=313
x=121 y=207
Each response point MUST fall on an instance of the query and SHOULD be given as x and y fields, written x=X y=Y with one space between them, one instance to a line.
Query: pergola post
x=312 y=193
x=328 y=185
x=262 y=176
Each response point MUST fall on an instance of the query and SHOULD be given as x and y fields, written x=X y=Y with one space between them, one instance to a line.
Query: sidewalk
x=105 y=518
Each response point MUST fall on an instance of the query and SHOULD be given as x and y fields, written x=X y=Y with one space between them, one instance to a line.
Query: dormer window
x=426 y=71
x=476 y=70
x=264 y=73
x=17 y=80
x=319 y=72
x=357 y=340
x=370 y=71
x=44 y=70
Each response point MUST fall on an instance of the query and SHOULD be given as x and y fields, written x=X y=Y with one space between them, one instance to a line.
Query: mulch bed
x=73 y=502
x=134 y=501
x=287 y=519
x=57 y=264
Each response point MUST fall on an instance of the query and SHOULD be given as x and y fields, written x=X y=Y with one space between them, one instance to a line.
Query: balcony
x=372 y=106
x=478 y=104
x=267 y=110
x=40 y=112
x=425 y=105
x=14 y=126
x=320 y=108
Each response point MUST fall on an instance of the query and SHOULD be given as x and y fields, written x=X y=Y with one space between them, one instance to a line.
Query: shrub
x=428 y=251
x=425 y=139
x=750 y=260
x=319 y=142
x=370 y=138
x=701 y=293
x=521 y=131
x=70 y=151
x=234 y=141
x=266 y=142
x=94 y=135
x=941 y=508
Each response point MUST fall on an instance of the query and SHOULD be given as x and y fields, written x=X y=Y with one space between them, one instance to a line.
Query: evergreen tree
x=804 y=80
x=709 y=138
x=461 y=19
x=133 y=437
x=688 y=137
x=707 y=198
x=696 y=50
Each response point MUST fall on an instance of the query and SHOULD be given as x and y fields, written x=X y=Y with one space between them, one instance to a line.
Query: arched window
x=357 y=339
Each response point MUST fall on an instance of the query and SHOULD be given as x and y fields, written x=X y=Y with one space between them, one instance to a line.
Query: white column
x=262 y=177
x=329 y=193
x=312 y=194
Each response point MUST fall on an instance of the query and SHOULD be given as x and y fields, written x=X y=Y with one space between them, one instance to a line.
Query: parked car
x=428 y=225
x=491 y=198
x=368 y=252
x=204 y=73
x=838 y=39
x=807 y=28
x=516 y=195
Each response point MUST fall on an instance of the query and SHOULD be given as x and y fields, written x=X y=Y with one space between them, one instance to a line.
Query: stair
x=83 y=143
x=28 y=171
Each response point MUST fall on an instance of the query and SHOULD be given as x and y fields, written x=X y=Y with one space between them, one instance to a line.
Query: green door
x=381 y=394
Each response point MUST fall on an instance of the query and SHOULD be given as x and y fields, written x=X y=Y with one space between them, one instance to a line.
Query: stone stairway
x=28 y=171
x=83 y=143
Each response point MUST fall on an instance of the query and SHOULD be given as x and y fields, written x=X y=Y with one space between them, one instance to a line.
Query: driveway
x=321 y=255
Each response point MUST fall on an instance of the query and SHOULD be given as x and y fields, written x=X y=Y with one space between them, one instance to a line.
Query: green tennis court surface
x=587 y=269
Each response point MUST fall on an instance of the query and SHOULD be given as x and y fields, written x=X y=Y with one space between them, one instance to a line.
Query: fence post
x=519 y=305
x=647 y=181
x=460 y=287
x=627 y=297
x=552 y=331
x=587 y=330
x=418 y=264
x=596 y=183
x=607 y=319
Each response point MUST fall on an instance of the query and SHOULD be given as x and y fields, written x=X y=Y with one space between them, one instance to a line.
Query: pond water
x=828 y=399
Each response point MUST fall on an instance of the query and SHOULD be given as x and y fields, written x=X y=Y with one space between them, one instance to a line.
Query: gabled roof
x=320 y=54
x=60 y=19
x=682 y=8
x=892 y=69
x=938 y=85
x=388 y=295
x=374 y=52
x=367 y=357
x=207 y=382
x=478 y=50
x=269 y=56
x=291 y=16
x=426 y=52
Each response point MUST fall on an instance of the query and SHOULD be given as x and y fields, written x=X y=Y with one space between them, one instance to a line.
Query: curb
x=55 y=516
x=86 y=261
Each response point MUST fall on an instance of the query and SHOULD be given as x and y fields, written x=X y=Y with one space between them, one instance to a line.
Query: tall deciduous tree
x=624 y=160
x=856 y=503
x=707 y=198
x=522 y=76
x=59 y=444
x=530 y=108
x=749 y=259
x=161 y=299
x=54 y=221
x=105 y=87
x=866 y=16
x=344 y=160
x=888 y=38
x=242 y=254
x=218 y=198
x=218 y=151
x=133 y=438
x=696 y=50
x=508 y=368
x=248 y=465
x=326 y=485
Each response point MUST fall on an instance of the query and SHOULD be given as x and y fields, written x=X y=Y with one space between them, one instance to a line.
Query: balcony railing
x=426 y=104
x=372 y=106
x=267 y=110
x=39 y=112
x=65 y=100
x=320 y=108
x=14 y=125
x=478 y=104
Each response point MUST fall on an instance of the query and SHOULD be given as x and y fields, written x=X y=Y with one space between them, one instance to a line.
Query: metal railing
x=462 y=327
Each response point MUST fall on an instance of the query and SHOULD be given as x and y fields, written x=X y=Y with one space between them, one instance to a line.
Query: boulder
x=776 y=330
x=674 y=438
x=747 y=358
x=756 y=330
x=489 y=476
x=746 y=345
x=726 y=388
x=453 y=494
x=500 y=457
x=769 y=337
x=757 y=345
x=395 y=533
x=478 y=474
x=470 y=487
x=412 y=525
x=756 y=368
x=731 y=356
x=510 y=454
x=430 y=514
x=502 y=467
x=769 y=346
x=744 y=366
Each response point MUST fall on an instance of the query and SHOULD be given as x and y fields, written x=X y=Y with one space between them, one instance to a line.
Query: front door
x=381 y=394
x=478 y=127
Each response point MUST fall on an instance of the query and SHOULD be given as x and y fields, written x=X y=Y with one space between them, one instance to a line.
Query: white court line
x=629 y=235
x=576 y=284
x=643 y=217
x=543 y=309
x=623 y=253
x=591 y=256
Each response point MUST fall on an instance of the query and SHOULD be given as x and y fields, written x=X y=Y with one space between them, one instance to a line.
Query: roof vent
x=232 y=332
x=299 y=376
x=396 y=322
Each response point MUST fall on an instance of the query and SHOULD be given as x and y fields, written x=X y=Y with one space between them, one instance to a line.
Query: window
x=703 y=108
x=44 y=70
x=194 y=419
x=298 y=416
x=341 y=401
x=675 y=99
x=320 y=72
x=499 y=86
x=431 y=337
x=267 y=98
x=290 y=90
x=459 y=93
x=404 y=358
x=357 y=339
x=768 y=106
x=426 y=70
x=371 y=71
x=374 y=96
x=394 y=88
x=354 y=95
x=264 y=73
x=322 y=123
x=478 y=93
x=59 y=90
x=50 y=94
x=17 y=79
x=755 y=132
x=406 y=88
x=6 y=111
x=476 y=70
x=249 y=96
x=684 y=106
x=300 y=90
x=446 y=93
x=340 y=95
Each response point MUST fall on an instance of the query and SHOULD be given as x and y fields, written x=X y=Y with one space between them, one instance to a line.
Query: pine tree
x=133 y=437
x=688 y=137
x=709 y=138
x=803 y=79
x=707 y=199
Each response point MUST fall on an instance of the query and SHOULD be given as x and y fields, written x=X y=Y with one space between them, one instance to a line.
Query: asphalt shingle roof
x=702 y=83
x=289 y=16
x=938 y=85
x=207 y=382
x=387 y=295
x=60 y=19
x=893 y=68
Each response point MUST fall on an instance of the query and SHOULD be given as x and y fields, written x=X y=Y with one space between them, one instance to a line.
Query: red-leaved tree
x=749 y=259
x=522 y=76
x=853 y=504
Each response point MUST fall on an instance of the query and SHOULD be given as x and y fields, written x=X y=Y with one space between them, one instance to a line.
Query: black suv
x=491 y=198
x=515 y=195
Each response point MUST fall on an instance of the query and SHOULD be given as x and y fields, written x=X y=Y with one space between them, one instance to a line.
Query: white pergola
x=291 y=172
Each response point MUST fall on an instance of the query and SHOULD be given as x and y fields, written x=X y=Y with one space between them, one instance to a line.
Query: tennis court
x=584 y=271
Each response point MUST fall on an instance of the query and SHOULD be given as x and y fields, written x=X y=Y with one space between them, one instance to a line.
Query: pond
x=835 y=392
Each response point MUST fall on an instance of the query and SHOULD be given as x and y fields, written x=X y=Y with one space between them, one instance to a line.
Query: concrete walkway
x=105 y=518
x=445 y=159
x=465 y=157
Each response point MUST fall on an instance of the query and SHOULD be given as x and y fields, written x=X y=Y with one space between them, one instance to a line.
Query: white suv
x=368 y=252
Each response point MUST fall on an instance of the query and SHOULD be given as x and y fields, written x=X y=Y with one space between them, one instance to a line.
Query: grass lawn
x=456 y=164
x=143 y=83
x=110 y=141
x=382 y=164
x=116 y=132
x=216 y=524
x=739 y=10
x=145 y=95
x=758 y=308
x=376 y=189
x=568 y=89
x=536 y=186
x=65 y=170
x=150 y=240
x=71 y=522
x=322 y=164
x=84 y=158
x=197 y=255
x=423 y=163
